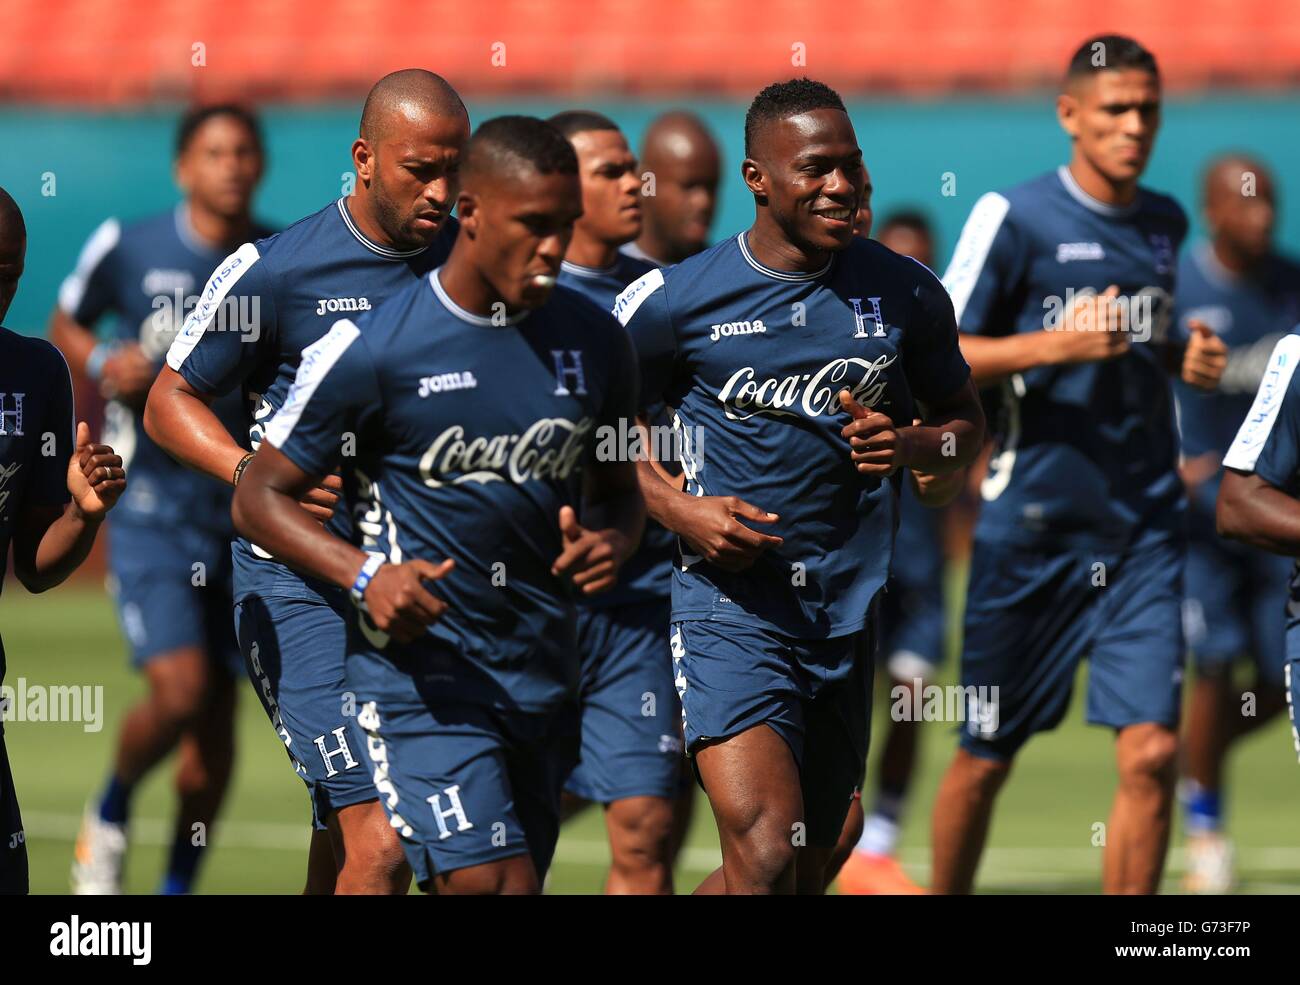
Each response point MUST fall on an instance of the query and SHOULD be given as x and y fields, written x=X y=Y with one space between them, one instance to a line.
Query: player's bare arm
x=267 y=511
x=1093 y=330
x=1251 y=510
x=180 y=418
x=947 y=441
x=615 y=518
x=50 y=543
x=126 y=373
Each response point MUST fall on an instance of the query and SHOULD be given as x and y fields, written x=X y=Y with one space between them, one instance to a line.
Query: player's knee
x=767 y=851
x=1150 y=753
x=510 y=878
x=178 y=694
x=641 y=839
x=986 y=775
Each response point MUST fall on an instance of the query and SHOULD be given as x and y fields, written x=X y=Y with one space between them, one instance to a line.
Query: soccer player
x=797 y=357
x=682 y=156
x=1062 y=290
x=630 y=756
x=278 y=296
x=169 y=542
x=1257 y=502
x=1250 y=297
x=476 y=397
x=55 y=488
x=911 y=634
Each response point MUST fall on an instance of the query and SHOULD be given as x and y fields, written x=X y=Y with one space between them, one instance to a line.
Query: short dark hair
x=913 y=219
x=573 y=121
x=512 y=141
x=1107 y=52
x=195 y=117
x=781 y=100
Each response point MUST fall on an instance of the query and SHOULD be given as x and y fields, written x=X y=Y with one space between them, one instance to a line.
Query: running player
x=1257 y=502
x=475 y=399
x=797 y=358
x=630 y=751
x=1062 y=290
x=285 y=292
x=911 y=635
x=1250 y=297
x=682 y=156
x=169 y=542
x=55 y=488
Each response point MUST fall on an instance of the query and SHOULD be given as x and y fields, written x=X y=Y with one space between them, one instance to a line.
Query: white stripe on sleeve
x=100 y=244
x=973 y=247
x=635 y=294
x=200 y=319
x=1258 y=425
x=317 y=360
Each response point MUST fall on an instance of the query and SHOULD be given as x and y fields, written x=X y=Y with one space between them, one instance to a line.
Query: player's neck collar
x=636 y=253
x=1204 y=256
x=1077 y=193
x=188 y=235
x=790 y=275
x=578 y=270
x=387 y=252
x=468 y=316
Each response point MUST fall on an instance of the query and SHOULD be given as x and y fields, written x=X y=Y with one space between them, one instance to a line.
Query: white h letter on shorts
x=457 y=811
x=329 y=754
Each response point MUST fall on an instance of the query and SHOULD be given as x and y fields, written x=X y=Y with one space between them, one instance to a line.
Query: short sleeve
x=87 y=293
x=58 y=436
x=643 y=310
x=983 y=273
x=1268 y=441
x=230 y=328
x=335 y=393
x=932 y=358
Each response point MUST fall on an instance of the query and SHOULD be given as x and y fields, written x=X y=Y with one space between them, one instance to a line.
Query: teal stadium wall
x=120 y=163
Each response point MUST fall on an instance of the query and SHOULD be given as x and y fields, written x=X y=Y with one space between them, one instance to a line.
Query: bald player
x=683 y=157
x=55 y=488
x=476 y=397
x=1249 y=295
x=266 y=302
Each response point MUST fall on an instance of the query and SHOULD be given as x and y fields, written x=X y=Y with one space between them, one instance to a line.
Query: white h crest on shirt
x=858 y=317
x=565 y=373
x=15 y=415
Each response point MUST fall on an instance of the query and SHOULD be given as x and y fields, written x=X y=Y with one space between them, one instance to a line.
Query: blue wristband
x=95 y=361
x=373 y=563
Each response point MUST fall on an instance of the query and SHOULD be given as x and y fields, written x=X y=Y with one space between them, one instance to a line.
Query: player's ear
x=363 y=159
x=1067 y=113
x=752 y=172
x=467 y=213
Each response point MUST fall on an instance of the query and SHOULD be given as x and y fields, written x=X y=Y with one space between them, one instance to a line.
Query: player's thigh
x=447 y=776
x=1030 y=617
x=294 y=655
x=1137 y=658
x=629 y=714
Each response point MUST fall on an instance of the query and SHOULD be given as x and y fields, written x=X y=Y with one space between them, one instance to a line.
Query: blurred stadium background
x=89 y=95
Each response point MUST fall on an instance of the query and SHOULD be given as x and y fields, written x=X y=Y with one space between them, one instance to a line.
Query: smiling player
x=802 y=355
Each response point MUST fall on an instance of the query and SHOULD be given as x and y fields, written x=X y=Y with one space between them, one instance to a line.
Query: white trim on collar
x=1088 y=202
x=766 y=271
x=578 y=270
x=387 y=252
x=468 y=316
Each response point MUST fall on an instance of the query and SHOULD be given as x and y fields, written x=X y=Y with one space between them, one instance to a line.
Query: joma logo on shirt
x=1069 y=252
x=736 y=328
x=330 y=305
x=550 y=449
x=813 y=394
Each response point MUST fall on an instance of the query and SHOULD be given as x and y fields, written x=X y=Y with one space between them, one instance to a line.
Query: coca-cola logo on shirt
x=808 y=394
x=550 y=449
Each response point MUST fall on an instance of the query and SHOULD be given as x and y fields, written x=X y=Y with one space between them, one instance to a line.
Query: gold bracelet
x=243 y=464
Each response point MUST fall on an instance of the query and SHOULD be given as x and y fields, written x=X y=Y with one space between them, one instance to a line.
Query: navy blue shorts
x=1032 y=616
x=466 y=785
x=629 y=718
x=912 y=629
x=1235 y=606
x=13 y=840
x=294 y=651
x=815 y=694
x=1291 y=678
x=152 y=578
